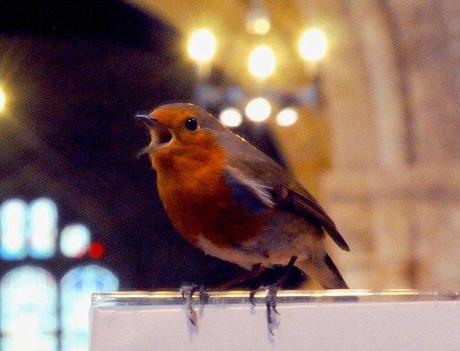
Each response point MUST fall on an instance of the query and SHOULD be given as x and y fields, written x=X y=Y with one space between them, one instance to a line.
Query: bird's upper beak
x=145 y=118
x=160 y=135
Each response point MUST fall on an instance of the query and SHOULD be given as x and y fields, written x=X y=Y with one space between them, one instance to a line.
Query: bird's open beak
x=160 y=135
x=145 y=118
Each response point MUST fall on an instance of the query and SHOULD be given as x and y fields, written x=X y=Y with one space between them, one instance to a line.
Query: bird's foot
x=187 y=292
x=270 y=302
x=203 y=294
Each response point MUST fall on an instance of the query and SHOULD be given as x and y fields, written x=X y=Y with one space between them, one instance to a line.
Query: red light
x=96 y=250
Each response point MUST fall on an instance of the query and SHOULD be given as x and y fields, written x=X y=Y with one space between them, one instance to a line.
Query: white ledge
x=308 y=320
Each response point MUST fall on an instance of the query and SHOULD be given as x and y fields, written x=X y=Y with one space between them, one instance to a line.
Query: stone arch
x=391 y=86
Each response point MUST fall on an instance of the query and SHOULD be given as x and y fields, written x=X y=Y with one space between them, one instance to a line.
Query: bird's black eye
x=191 y=123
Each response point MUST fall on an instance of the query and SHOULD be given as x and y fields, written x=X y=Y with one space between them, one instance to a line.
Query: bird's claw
x=204 y=296
x=187 y=292
x=252 y=294
x=272 y=291
x=270 y=303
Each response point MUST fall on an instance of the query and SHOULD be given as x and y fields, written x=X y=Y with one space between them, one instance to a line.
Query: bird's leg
x=270 y=303
x=187 y=292
x=279 y=283
x=248 y=275
x=272 y=291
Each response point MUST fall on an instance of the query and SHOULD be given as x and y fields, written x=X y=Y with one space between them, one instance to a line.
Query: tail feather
x=340 y=282
x=324 y=271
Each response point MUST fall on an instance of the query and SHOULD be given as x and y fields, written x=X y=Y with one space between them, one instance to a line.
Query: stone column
x=394 y=185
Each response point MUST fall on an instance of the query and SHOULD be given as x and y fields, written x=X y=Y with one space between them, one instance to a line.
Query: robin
x=234 y=202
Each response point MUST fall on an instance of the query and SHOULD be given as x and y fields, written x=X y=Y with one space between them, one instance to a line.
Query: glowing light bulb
x=313 y=45
x=258 y=109
x=2 y=99
x=261 y=26
x=262 y=62
x=231 y=117
x=287 y=117
x=258 y=20
x=202 y=45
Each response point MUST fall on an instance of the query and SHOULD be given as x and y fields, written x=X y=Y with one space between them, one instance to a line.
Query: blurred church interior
x=360 y=100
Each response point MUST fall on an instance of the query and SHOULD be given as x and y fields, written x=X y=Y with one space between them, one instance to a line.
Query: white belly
x=236 y=256
x=246 y=257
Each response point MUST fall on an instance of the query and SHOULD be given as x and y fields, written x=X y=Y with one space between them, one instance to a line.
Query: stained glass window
x=28 y=229
x=28 y=319
x=43 y=228
x=75 y=240
x=76 y=289
x=13 y=220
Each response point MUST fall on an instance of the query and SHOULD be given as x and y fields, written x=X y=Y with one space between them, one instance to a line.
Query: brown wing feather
x=286 y=192
x=304 y=203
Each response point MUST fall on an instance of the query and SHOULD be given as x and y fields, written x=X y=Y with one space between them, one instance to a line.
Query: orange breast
x=197 y=200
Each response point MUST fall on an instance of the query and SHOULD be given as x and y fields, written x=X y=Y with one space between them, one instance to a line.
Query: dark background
x=76 y=73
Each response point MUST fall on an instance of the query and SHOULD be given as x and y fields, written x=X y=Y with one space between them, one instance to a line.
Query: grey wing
x=285 y=192
x=298 y=199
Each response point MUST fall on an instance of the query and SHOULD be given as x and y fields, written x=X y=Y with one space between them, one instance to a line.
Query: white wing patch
x=258 y=187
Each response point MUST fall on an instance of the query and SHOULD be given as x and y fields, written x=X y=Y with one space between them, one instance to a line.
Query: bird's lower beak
x=160 y=135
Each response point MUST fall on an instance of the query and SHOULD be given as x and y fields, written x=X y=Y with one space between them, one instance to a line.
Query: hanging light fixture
x=258 y=109
x=2 y=99
x=313 y=45
x=262 y=62
x=287 y=117
x=202 y=46
x=258 y=19
x=231 y=117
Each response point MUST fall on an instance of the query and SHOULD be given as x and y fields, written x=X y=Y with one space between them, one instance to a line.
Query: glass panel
x=43 y=228
x=75 y=342
x=76 y=289
x=174 y=297
x=29 y=342
x=75 y=240
x=13 y=229
x=29 y=309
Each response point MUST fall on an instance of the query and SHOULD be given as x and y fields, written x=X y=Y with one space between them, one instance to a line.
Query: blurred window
x=43 y=228
x=13 y=220
x=29 y=313
x=75 y=240
x=27 y=229
x=28 y=309
x=76 y=289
